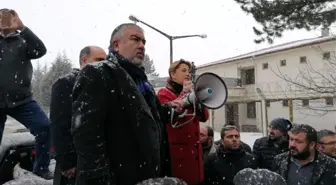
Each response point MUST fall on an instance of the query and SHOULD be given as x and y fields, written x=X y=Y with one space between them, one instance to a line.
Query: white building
x=266 y=85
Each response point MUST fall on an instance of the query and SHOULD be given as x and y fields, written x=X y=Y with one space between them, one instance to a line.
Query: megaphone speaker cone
x=211 y=91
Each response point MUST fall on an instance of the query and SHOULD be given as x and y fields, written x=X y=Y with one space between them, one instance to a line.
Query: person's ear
x=115 y=45
x=319 y=147
x=84 y=60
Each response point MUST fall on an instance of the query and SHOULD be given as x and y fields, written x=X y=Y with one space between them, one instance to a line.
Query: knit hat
x=249 y=176
x=284 y=125
x=163 y=181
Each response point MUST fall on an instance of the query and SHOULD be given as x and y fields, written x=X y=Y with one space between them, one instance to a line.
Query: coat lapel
x=134 y=93
x=140 y=116
x=319 y=168
x=283 y=166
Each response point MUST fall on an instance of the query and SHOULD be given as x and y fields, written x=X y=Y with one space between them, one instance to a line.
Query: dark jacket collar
x=137 y=73
x=320 y=164
x=230 y=153
x=174 y=87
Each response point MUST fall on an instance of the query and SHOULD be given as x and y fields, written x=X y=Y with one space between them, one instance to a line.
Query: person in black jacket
x=266 y=148
x=117 y=119
x=222 y=166
x=60 y=118
x=303 y=164
x=245 y=146
x=18 y=46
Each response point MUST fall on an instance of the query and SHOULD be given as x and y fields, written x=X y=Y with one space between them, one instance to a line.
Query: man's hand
x=15 y=22
x=70 y=173
x=177 y=104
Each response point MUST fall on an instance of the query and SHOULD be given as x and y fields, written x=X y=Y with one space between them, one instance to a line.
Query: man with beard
x=327 y=142
x=60 y=117
x=245 y=146
x=266 y=148
x=116 y=117
x=221 y=167
x=207 y=141
x=303 y=164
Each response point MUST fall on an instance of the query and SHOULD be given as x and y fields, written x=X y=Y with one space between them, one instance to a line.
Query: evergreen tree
x=148 y=64
x=60 y=67
x=38 y=75
x=278 y=16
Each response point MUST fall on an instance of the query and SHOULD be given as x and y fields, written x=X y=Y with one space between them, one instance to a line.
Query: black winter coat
x=265 y=150
x=16 y=53
x=60 y=118
x=222 y=166
x=324 y=172
x=117 y=140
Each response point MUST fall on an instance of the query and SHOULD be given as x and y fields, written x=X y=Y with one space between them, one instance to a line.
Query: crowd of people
x=109 y=127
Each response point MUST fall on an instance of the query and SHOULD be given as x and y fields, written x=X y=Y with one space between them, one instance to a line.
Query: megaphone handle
x=176 y=125
x=184 y=114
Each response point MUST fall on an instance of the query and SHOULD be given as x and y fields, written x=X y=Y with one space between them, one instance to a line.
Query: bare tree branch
x=312 y=82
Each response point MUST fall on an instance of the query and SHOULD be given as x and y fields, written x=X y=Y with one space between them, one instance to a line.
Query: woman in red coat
x=185 y=149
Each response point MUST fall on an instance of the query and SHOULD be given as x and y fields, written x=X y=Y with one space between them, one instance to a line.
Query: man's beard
x=205 y=144
x=137 y=62
x=301 y=155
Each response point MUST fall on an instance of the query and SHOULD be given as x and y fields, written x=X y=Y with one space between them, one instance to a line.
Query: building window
x=248 y=76
x=329 y=101
x=285 y=103
x=251 y=110
x=282 y=62
x=303 y=60
x=268 y=103
x=326 y=55
x=265 y=65
x=305 y=103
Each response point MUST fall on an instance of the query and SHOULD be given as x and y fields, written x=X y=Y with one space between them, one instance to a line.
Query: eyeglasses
x=329 y=143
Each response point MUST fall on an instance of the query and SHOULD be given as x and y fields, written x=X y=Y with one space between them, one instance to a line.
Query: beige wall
x=274 y=87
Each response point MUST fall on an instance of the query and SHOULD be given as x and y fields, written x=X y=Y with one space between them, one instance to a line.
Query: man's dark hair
x=210 y=131
x=119 y=30
x=227 y=128
x=84 y=53
x=311 y=133
x=324 y=133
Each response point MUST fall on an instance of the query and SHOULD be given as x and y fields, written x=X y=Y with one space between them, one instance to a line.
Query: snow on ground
x=12 y=125
x=246 y=137
x=24 y=177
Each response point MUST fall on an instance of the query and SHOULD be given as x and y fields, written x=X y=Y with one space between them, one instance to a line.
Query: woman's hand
x=187 y=86
x=177 y=105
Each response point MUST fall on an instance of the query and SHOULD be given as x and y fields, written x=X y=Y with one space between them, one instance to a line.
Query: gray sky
x=71 y=25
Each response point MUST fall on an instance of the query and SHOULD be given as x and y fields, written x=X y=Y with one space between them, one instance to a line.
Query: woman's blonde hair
x=173 y=67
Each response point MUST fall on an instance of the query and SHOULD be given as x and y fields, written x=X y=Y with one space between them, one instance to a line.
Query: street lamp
x=171 y=38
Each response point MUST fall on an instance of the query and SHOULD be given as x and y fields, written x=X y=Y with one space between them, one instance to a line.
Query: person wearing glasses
x=326 y=142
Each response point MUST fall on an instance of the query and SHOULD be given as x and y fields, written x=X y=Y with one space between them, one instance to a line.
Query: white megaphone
x=210 y=91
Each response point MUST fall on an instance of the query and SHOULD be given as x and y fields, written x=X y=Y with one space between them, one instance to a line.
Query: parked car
x=17 y=148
